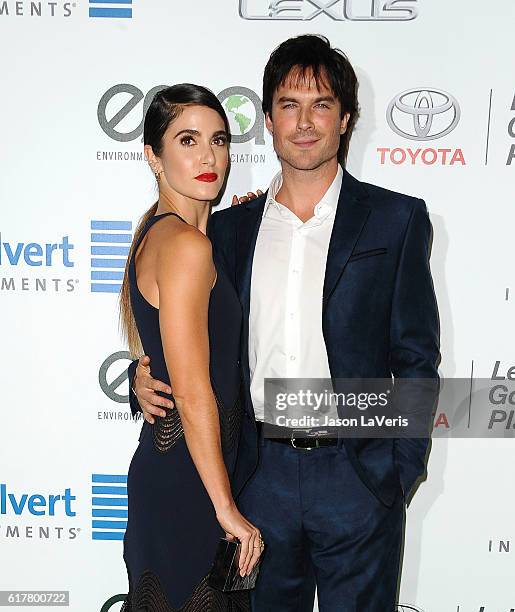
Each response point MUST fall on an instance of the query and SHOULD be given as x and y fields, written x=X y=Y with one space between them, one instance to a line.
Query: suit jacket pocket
x=368 y=253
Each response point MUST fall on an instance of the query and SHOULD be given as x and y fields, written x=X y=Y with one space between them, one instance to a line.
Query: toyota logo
x=423 y=114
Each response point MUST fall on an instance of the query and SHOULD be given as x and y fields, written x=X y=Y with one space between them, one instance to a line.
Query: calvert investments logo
x=48 y=513
x=121 y=112
x=110 y=9
x=36 y=266
x=109 y=506
x=421 y=115
x=110 y=244
x=35 y=10
x=336 y=10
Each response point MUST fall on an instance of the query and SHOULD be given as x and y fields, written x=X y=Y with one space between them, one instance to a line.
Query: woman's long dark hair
x=165 y=107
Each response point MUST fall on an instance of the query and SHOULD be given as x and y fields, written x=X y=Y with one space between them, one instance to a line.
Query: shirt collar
x=323 y=208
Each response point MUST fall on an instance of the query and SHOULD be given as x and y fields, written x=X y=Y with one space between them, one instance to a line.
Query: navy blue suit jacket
x=379 y=318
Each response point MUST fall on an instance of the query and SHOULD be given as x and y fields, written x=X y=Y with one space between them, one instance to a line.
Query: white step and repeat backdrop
x=75 y=81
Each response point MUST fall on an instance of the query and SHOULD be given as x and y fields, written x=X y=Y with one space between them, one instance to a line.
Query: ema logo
x=109 y=513
x=110 y=244
x=113 y=10
x=124 y=103
x=246 y=118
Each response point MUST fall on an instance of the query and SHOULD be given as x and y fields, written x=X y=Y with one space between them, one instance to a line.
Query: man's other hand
x=145 y=388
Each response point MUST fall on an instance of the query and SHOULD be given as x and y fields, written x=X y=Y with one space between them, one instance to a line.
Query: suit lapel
x=246 y=236
x=351 y=215
x=247 y=232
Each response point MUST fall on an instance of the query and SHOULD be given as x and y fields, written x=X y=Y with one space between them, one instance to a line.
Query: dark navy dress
x=172 y=531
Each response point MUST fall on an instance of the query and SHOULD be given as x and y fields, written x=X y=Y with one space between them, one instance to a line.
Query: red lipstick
x=207 y=177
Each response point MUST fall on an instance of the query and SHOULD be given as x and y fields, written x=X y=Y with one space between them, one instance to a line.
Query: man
x=334 y=280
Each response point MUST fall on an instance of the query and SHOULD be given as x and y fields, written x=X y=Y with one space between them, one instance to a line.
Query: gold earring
x=157 y=173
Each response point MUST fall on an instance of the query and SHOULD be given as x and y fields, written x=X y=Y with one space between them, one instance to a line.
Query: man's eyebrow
x=326 y=99
x=283 y=99
x=286 y=99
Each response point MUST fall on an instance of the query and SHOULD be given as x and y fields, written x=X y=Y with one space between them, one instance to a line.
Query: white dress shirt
x=285 y=326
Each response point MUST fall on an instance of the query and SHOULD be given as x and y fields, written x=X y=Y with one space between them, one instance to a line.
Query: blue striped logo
x=109 y=506
x=111 y=9
x=110 y=243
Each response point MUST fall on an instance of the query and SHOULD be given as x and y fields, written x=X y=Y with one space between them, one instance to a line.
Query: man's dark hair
x=312 y=54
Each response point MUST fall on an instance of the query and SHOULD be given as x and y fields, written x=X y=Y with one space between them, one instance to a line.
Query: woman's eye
x=220 y=140
x=187 y=140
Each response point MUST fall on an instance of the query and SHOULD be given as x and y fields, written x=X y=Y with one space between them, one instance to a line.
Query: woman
x=182 y=311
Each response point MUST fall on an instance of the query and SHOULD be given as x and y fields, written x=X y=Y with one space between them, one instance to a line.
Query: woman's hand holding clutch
x=237 y=526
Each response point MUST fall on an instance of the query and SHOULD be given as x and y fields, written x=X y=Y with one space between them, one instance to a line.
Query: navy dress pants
x=322 y=527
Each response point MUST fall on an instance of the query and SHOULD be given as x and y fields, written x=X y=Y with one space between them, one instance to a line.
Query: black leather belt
x=284 y=435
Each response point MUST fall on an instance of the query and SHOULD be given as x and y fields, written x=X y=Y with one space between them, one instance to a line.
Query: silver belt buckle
x=316 y=436
x=292 y=440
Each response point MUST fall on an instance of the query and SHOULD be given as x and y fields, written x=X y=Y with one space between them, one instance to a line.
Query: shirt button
x=292 y=357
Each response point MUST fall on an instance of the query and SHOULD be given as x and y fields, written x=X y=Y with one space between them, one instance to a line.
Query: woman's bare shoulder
x=178 y=243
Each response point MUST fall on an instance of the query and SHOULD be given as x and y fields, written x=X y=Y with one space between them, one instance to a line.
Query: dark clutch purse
x=225 y=574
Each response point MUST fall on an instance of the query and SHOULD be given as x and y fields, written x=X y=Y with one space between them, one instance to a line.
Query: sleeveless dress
x=172 y=532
